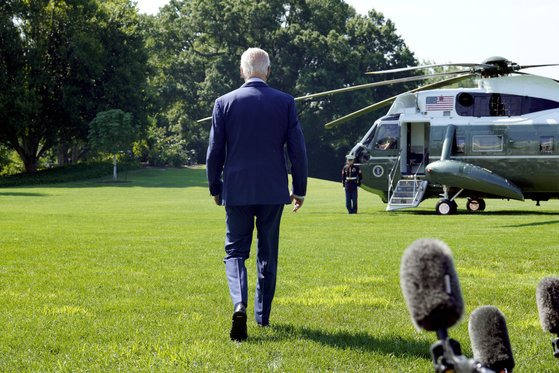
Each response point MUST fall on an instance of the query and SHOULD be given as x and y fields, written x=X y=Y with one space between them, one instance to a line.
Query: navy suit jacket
x=246 y=161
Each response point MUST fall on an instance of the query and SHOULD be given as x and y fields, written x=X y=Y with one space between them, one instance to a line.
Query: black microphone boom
x=490 y=339
x=547 y=299
x=430 y=285
x=432 y=292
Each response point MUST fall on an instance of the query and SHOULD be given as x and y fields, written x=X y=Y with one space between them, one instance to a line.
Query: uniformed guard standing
x=351 y=179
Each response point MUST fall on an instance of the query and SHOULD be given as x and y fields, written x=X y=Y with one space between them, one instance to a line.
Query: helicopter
x=497 y=140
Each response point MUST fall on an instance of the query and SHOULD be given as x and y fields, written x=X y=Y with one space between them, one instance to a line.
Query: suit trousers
x=240 y=221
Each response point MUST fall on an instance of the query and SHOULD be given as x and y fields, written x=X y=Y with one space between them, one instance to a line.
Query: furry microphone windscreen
x=490 y=338
x=547 y=299
x=430 y=285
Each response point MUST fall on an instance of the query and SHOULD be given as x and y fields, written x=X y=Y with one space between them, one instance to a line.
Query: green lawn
x=96 y=276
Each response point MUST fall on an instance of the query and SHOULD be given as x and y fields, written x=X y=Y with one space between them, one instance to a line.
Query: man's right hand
x=217 y=199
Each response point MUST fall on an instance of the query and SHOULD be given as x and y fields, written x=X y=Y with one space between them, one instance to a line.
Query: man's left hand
x=298 y=202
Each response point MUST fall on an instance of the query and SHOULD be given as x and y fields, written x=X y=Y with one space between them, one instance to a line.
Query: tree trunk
x=30 y=162
x=76 y=152
x=28 y=156
x=62 y=154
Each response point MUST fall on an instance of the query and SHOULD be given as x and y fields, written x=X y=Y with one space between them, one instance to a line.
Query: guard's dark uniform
x=351 y=179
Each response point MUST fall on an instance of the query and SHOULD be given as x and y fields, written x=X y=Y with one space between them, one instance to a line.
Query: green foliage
x=167 y=147
x=130 y=277
x=314 y=45
x=9 y=163
x=112 y=131
x=467 y=83
x=63 y=174
x=61 y=62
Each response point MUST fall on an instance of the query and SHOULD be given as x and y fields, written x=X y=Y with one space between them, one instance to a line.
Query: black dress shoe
x=239 y=325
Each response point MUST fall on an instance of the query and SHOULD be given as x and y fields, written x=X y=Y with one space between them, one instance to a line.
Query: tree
x=314 y=45
x=61 y=62
x=112 y=132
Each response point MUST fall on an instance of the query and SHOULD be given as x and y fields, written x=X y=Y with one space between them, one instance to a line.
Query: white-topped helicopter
x=498 y=140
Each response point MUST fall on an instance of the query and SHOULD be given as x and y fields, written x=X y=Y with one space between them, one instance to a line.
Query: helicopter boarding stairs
x=409 y=190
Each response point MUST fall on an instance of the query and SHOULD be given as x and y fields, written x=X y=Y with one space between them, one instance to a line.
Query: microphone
x=430 y=285
x=433 y=296
x=490 y=339
x=547 y=299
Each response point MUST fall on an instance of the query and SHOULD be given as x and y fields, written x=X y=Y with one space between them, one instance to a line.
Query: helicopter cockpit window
x=487 y=143
x=387 y=136
x=547 y=144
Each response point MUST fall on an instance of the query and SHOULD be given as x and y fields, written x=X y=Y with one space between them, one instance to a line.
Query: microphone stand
x=447 y=356
x=555 y=344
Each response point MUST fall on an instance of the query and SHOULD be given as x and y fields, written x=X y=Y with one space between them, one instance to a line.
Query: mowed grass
x=96 y=276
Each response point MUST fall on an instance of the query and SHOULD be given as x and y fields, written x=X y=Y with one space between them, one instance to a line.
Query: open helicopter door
x=414 y=147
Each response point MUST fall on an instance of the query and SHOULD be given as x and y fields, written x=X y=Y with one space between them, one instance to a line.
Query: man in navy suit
x=247 y=172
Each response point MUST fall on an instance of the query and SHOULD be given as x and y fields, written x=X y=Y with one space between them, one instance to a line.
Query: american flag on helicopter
x=434 y=103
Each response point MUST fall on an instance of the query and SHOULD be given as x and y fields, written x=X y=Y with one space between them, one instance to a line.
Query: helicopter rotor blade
x=377 y=84
x=427 y=67
x=532 y=66
x=390 y=100
x=203 y=120
x=443 y=83
x=361 y=112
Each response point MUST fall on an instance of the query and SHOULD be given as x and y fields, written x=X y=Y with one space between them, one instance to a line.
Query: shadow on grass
x=114 y=182
x=532 y=224
x=517 y=212
x=345 y=340
x=142 y=178
x=157 y=178
x=23 y=194
x=482 y=213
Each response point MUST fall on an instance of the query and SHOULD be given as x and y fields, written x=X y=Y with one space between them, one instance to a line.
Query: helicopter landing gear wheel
x=475 y=204
x=446 y=207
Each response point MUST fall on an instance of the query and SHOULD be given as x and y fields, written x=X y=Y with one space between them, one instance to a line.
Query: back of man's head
x=255 y=62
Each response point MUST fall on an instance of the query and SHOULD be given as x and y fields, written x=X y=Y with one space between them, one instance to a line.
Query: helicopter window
x=387 y=136
x=511 y=105
x=465 y=99
x=368 y=138
x=538 y=104
x=460 y=144
x=487 y=143
x=481 y=106
x=496 y=104
x=547 y=144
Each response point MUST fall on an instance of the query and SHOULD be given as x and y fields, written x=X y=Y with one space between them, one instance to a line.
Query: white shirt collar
x=250 y=80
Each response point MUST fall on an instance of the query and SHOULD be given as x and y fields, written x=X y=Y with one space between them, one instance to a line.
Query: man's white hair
x=255 y=61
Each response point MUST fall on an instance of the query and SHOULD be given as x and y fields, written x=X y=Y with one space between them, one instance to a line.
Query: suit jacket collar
x=255 y=82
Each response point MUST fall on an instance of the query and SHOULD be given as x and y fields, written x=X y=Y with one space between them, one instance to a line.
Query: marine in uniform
x=351 y=179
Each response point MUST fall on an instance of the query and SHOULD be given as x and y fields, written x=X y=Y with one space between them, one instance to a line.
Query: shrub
x=166 y=147
x=63 y=174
